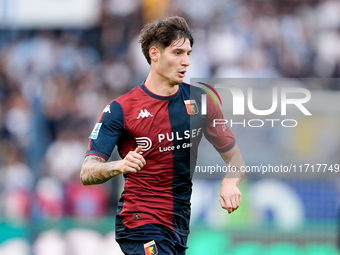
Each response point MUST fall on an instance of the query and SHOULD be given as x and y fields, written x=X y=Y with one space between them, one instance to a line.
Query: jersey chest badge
x=150 y=248
x=191 y=106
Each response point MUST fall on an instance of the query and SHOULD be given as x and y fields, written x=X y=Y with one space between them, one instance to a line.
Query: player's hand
x=132 y=163
x=230 y=195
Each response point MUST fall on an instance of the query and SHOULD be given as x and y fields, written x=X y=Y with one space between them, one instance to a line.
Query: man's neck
x=159 y=87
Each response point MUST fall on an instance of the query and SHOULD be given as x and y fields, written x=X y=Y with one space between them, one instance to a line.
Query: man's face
x=173 y=61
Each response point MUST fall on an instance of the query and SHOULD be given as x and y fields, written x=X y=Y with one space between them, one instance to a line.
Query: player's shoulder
x=126 y=98
x=118 y=104
x=191 y=90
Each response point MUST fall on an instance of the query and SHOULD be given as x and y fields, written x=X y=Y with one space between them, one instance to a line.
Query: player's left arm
x=221 y=136
x=230 y=195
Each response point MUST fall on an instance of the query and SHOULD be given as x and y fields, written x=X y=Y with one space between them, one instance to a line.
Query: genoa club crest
x=150 y=248
x=191 y=106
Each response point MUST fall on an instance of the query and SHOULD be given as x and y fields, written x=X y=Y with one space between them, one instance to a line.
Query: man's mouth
x=182 y=73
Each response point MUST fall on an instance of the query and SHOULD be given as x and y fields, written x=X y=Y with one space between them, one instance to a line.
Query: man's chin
x=180 y=80
x=176 y=82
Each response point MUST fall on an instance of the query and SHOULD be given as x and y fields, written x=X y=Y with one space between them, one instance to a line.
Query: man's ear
x=154 y=53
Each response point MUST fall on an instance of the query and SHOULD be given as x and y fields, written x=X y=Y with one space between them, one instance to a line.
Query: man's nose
x=186 y=60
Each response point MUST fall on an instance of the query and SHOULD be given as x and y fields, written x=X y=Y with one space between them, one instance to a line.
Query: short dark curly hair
x=162 y=32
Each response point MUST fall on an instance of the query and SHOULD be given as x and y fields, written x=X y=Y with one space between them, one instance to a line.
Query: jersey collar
x=147 y=91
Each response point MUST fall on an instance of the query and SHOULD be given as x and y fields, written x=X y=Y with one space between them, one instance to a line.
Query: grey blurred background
x=61 y=62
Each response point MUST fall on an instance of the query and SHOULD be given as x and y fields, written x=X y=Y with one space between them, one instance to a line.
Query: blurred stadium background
x=62 y=61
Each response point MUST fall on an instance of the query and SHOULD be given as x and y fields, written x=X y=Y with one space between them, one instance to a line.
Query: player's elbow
x=83 y=178
x=83 y=181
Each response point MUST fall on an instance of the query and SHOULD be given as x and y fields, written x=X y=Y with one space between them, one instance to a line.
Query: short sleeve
x=106 y=131
x=220 y=136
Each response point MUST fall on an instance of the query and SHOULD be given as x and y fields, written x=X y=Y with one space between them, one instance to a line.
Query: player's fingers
x=238 y=199
x=141 y=159
x=233 y=203
x=137 y=154
x=229 y=206
x=135 y=158
x=222 y=202
x=138 y=149
x=225 y=203
x=128 y=169
x=137 y=165
x=131 y=167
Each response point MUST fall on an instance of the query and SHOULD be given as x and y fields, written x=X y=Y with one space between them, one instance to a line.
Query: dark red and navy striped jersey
x=169 y=130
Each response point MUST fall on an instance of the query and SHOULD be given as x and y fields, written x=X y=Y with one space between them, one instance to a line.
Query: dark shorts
x=151 y=239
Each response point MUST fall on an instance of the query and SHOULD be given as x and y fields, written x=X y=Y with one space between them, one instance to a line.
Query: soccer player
x=157 y=127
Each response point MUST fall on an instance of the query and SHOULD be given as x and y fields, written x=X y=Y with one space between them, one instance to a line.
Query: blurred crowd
x=55 y=83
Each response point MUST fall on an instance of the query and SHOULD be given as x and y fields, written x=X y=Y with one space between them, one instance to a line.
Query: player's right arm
x=96 y=170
